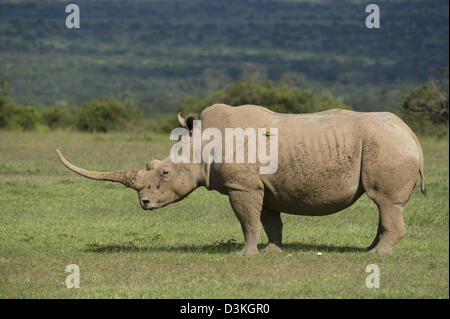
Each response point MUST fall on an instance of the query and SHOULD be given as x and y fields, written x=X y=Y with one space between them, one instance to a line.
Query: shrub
x=93 y=116
x=107 y=115
x=15 y=117
x=59 y=116
x=429 y=101
x=7 y=109
x=27 y=117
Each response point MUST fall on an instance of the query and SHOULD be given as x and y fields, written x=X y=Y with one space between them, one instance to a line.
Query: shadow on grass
x=218 y=248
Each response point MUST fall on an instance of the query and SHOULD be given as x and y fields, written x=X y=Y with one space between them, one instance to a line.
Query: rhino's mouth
x=147 y=205
x=152 y=204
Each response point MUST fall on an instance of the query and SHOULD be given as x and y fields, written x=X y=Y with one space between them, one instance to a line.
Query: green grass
x=51 y=217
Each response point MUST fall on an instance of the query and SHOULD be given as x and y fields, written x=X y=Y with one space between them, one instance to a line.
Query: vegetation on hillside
x=164 y=51
x=425 y=109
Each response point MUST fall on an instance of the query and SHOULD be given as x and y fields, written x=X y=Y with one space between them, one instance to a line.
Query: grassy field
x=51 y=217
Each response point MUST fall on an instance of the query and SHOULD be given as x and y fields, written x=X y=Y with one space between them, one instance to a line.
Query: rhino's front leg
x=247 y=206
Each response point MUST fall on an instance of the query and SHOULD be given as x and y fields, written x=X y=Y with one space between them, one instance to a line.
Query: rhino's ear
x=153 y=164
x=188 y=122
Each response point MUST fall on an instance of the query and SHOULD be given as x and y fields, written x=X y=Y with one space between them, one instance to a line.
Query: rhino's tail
x=422 y=176
x=422 y=183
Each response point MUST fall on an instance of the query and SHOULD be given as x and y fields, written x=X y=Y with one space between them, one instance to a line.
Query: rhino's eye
x=165 y=172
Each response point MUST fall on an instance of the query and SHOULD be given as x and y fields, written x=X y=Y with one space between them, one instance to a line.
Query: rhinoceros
x=326 y=161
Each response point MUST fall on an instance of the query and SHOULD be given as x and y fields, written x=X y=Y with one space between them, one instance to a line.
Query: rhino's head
x=163 y=182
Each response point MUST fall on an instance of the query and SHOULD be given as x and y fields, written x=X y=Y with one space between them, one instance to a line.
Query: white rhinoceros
x=326 y=161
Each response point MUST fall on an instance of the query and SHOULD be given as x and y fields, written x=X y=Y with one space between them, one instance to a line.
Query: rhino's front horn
x=128 y=178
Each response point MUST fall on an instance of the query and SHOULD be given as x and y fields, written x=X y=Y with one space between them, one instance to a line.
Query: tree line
x=425 y=108
x=114 y=113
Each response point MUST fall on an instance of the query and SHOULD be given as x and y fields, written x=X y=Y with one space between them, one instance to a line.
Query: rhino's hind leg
x=391 y=228
x=273 y=227
x=248 y=206
x=389 y=178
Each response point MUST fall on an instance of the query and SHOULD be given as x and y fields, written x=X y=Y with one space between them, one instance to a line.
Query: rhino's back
x=254 y=116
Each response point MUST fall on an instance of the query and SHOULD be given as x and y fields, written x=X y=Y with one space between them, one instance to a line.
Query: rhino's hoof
x=272 y=248
x=249 y=251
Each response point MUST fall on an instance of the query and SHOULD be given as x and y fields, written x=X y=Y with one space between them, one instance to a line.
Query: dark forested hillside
x=164 y=50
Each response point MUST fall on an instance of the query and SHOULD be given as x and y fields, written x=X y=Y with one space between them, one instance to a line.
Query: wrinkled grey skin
x=326 y=161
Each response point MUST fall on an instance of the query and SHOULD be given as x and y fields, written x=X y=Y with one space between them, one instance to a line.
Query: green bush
x=93 y=116
x=15 y=117
x=27 y=117
x=59 y=116
x=107 y=115
x=161 y=123
x=426 y=108
x=7 y=109
x=429 y=101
